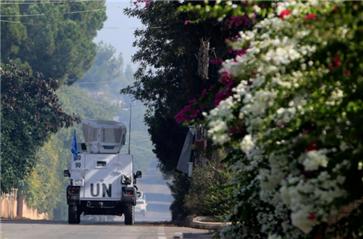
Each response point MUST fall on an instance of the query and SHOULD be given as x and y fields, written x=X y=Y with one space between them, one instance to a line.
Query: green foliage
x=179 y=188
x=161 y=47
x=54 y=39
x=44 y=185
x=30 y=112
x=209 y=192
x=77 y=100
x=167 y=77
x=220 y=10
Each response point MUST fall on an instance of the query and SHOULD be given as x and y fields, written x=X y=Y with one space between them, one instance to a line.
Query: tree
x=106 y=69
x=129 y=73
x=30 y=112
x=169 y=55
x=53 y=38
x=168 y=74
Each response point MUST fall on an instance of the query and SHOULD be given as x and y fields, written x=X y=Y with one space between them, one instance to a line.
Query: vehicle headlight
x=78 y=182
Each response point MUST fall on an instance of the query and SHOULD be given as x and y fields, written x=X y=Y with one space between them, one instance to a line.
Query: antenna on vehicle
x=130 y=128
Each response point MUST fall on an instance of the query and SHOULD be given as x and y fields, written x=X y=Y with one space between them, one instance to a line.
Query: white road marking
x=178 y=235
x=161 y=233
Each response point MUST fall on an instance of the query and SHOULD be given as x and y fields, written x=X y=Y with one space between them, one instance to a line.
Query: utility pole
x=130 y=107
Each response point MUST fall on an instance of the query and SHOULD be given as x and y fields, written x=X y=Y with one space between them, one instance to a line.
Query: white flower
x=360 y=165
x=301 y=219
x=256 y=8
x=315 y=159
x=274 y=236
x=314 y=2
x=343 y=146
x=335 y=97
x=247 y=144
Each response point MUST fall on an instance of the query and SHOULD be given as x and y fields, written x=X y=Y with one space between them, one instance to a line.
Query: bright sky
x=118 y=29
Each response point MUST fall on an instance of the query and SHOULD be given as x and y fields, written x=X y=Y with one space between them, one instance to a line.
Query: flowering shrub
x=230 y=18
x=298 y=98
x=188 y=112
x=192 y=112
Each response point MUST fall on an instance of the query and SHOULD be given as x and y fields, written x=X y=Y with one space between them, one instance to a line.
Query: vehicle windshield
x=111 y=135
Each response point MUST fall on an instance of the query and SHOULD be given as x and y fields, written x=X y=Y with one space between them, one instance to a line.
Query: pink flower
x=312 y=146
x=284 y=13
x=240 y=52
x=226 y=79
x=335 y=62
x=204 y=93
x=238 y=21
x=188 y=112
x=347 y=73
x=310 y=16
x=221 y=95
x=216 y=61
x=312 y=216
x=192 y=101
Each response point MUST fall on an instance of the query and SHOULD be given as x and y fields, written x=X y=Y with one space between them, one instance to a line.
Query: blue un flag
x=74 y=147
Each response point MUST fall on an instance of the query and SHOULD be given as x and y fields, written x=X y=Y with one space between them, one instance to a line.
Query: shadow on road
x=93 y=223
x=157 y=207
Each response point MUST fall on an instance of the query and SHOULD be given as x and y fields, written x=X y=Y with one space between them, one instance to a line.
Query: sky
x=118 y=29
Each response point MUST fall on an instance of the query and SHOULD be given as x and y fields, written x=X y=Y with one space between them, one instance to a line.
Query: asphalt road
x=44 y=230
x=157 y=193
x=150 y=226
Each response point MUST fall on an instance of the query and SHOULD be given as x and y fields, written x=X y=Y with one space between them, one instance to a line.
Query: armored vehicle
x=102 y=180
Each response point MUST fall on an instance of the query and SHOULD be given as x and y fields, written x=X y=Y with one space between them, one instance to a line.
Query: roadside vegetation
x=45 y=48
x=277 y=87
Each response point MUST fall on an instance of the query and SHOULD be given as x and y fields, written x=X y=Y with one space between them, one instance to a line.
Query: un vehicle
x=102 y=180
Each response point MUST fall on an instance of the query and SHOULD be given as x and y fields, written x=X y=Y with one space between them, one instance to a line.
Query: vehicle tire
x=129 y=214
x=74 y=217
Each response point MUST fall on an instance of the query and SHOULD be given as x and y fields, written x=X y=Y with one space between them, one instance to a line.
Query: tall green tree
x=169 y=76
x=30 y=112
x=54 y=38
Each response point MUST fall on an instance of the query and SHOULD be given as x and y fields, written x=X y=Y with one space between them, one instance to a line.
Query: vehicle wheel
x=74 y=217
x=129 y=214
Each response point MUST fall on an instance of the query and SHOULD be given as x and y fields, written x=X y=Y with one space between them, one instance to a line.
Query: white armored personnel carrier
x=102 y=180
